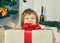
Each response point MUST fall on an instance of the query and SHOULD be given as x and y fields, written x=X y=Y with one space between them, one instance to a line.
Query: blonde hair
x=28 y=12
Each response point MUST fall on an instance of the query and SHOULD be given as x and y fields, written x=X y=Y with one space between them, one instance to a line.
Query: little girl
x=29 y=16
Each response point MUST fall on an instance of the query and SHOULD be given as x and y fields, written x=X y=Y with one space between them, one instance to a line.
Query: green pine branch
x=52 y=24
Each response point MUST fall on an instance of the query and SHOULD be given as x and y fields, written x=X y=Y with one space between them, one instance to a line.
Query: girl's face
x=30 y=19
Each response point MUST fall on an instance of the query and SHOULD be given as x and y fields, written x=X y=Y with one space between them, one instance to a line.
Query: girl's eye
x=33 y=18
x=27 y=18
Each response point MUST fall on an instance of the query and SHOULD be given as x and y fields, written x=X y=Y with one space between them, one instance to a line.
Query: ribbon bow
x=29 y=26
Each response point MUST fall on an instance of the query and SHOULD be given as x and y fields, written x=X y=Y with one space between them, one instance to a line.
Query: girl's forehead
x=30 y=14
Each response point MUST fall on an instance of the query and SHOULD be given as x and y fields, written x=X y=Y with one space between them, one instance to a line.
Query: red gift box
x=29 y=33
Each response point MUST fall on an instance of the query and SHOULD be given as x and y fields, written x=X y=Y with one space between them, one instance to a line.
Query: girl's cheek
x=34 y=22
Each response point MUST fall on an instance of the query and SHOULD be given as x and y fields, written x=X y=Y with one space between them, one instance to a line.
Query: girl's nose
x=30 y=21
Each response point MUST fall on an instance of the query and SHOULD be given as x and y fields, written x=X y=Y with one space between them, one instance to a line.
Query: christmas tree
x=5 y=10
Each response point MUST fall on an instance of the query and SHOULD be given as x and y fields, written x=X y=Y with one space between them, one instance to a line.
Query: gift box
x=22 y=36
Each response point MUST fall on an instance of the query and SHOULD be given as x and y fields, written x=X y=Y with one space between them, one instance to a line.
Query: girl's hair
x=28 y=12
